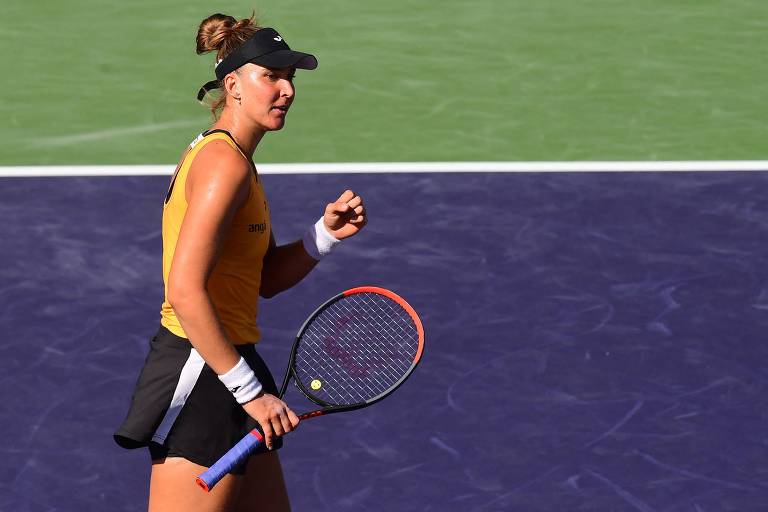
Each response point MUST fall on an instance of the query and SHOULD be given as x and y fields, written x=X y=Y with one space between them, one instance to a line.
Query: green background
x=94 y=82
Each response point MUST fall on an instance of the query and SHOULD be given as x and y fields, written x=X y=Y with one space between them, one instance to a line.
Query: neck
x=247 y=135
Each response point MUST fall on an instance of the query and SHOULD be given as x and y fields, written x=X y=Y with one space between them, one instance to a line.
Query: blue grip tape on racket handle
x=229 y=460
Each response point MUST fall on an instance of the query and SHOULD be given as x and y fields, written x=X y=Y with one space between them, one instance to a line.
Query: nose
x=287 y=89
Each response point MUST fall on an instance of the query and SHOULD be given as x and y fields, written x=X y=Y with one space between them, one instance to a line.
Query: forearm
x=284 y=267
x=197 y=316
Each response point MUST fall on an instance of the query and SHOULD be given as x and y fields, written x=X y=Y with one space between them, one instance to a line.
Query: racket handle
x=229 y=460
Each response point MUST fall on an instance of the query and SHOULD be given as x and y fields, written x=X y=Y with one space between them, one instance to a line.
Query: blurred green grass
x=91 y=82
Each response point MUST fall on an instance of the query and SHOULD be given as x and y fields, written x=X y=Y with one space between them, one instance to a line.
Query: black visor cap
x=265 y=48
x=286 y=59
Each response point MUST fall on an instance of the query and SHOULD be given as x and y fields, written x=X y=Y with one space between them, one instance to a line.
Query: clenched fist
x=346 y=216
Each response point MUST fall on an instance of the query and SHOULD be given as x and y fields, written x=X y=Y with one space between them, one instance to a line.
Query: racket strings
x=356 y=349
x=357 y=364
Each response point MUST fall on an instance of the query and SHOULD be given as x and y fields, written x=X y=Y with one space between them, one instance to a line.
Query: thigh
x=262 y=487
x=172 y=487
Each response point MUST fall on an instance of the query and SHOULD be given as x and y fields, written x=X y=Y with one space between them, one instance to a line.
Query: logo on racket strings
x=343 y=354
x=384 y=356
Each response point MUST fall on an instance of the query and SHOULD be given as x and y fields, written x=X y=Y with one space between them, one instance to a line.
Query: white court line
x=400 y=167
x=79 y=138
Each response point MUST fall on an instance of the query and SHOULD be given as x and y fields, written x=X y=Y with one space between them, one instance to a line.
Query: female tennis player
x=203 y=385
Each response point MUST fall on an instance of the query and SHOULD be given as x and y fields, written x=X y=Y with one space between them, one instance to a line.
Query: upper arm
x=217 y=185
x=272 y=245
x=265 y=266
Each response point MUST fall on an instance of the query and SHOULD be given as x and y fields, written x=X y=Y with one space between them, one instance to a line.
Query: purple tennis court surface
x=595 y=342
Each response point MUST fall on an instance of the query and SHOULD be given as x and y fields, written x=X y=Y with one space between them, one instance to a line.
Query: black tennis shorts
x=180 y=408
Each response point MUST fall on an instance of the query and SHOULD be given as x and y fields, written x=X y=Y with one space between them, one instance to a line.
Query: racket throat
x=313 y=414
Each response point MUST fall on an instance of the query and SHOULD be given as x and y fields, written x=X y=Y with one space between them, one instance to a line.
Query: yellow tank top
x=234 y=283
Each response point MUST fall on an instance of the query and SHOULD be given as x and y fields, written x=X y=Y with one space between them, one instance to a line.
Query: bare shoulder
x=219 y=166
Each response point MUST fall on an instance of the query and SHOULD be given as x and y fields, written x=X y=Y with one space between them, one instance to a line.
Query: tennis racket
x=354 y=350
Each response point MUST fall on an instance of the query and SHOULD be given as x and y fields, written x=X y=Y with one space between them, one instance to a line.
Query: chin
x=274 y=126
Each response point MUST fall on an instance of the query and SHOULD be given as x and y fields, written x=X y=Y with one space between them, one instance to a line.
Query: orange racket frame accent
x=392 y=295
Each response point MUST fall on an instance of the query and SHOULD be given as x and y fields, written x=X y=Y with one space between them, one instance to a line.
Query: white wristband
x=241 y=382
x=318 y=241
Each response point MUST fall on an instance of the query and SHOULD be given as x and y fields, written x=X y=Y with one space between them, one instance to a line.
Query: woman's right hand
x=274 y=416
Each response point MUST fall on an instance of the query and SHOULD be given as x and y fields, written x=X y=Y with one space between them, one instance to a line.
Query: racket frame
x=327 y=408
